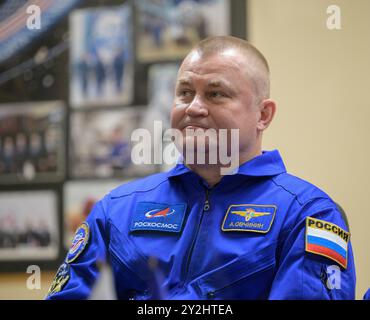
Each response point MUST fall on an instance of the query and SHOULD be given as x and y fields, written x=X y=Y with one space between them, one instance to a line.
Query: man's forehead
x=221 y=64
x=211 y=77
x=230 y=56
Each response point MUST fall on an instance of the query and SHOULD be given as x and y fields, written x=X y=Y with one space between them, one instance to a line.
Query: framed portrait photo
x=161 y=92
x=100 y=143
x=101 y=57
x=79 y=199
x=166 y=29
x=32 y=142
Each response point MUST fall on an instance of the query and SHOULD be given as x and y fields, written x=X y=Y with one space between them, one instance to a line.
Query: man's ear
x=267 y=110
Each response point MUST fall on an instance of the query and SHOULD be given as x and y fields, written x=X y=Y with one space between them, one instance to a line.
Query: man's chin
x=200 y=153
x=200 y=145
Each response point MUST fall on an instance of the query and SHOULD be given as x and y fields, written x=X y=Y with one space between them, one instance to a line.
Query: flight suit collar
x=269 y=163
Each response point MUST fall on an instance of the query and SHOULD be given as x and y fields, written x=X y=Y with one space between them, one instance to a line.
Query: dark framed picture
x=32 y=142
x=79 y=199
x=29 y=226
x=100 y=143
x=166 y=30
x=101 y=57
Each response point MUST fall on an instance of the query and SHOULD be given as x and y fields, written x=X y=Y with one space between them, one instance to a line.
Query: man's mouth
x=195 y=127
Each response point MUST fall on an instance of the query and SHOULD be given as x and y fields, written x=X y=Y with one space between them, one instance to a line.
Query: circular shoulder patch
x=79 y=242
x=61 y=278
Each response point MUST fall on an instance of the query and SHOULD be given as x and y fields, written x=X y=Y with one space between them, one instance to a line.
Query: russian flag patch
x=327 y=239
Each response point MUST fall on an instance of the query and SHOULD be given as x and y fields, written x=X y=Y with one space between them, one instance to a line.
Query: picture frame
x=100 y=144
x=167 y=30
x=161 y=92
x=79 y=200
x=29 y=237
x=101 y=57
x=32 y=142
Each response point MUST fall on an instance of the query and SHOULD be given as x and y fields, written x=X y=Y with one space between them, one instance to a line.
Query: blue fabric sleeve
x=83 y=271
x=305 y=275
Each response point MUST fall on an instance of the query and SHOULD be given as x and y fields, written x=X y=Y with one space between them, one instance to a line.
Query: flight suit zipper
x=206 y=207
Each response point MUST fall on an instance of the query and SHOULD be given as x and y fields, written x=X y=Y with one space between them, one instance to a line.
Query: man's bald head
x=257 y=68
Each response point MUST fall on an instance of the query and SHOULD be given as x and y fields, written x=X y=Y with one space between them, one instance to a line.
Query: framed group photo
x=32 y=142
x=29 y=226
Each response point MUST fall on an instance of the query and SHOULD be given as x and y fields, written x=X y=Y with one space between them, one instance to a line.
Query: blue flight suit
x=367 y=295
x=244 y=238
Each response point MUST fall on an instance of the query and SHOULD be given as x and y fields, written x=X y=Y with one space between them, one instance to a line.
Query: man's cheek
x=176 y=116
x=173 y=118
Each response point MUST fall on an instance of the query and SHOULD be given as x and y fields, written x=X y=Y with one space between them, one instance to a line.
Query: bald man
x=208 y=229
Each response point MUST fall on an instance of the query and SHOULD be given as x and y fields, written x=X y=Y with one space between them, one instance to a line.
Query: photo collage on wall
x=69 y=154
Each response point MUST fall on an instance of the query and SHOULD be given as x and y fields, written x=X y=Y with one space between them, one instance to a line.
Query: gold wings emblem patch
x=249 y=214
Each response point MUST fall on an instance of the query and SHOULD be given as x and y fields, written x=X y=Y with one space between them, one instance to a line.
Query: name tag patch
x=249 y=217
x=158 y=217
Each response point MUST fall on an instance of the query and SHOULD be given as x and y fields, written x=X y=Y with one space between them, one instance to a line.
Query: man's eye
x=216 y=94
x=184 y=93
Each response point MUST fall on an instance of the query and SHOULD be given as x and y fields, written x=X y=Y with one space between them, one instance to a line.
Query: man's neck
x=211 y=173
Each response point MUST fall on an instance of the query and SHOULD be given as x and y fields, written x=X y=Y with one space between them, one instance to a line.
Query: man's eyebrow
x=215 y=83
x=184 y=81
x=218 y=83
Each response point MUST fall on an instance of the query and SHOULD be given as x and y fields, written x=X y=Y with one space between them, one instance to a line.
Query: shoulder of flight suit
x=302 y=274
x=302 y=190
x=367 y=295
x=140 y=185
x=306 y=200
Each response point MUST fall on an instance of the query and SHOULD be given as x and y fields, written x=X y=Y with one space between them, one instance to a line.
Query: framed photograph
x=101 y=57
x=168 y=29
x=32 y=142
x=29 y=226
x=100 y=143
x=79 y=199
x=161 y=92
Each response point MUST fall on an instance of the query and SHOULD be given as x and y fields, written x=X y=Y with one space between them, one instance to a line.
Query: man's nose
x=197 y=108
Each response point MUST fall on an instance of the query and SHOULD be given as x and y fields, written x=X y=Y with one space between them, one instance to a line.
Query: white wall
x=321 y=82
